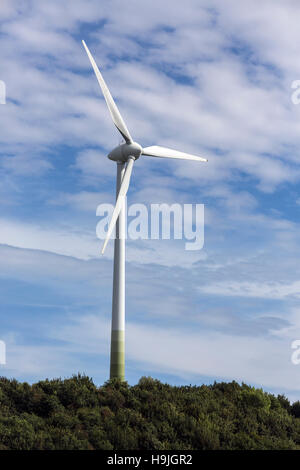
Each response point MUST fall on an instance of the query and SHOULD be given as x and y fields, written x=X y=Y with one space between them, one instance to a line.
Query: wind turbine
x=124 y=155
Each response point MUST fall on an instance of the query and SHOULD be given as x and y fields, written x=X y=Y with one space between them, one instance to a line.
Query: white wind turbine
x=124 y=155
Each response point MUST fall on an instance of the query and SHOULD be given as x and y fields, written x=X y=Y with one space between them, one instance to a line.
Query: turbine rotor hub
x=124 y=151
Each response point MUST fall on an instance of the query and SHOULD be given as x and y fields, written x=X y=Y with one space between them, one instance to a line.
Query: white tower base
x=117 y=354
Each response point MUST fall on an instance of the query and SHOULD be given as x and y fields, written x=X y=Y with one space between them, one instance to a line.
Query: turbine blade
x=120 y=200
x=115 y=114
x=163 y=152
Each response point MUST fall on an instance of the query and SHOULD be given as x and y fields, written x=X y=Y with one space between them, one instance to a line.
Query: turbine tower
x=124 y=155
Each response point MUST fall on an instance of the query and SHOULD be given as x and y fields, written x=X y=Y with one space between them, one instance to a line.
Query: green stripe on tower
x=117 y=355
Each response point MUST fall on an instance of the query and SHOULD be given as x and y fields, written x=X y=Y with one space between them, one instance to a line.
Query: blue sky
x=206 y=77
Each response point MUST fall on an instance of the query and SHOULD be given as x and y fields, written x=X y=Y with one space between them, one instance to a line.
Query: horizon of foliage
x=74 y=413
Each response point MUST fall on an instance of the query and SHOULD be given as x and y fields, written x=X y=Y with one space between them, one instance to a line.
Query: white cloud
x=83 y=201
x=258 y=360
x=70 y=242
x=24 y=165
x=228 y=105
x=82 y=244
x=94 y=165
x=273 y=290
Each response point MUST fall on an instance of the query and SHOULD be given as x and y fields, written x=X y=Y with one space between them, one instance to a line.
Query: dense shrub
x=75 y=414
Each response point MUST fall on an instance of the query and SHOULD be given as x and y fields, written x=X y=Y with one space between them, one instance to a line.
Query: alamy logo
x=162 y=221
x=2 y=352
x=295 y=97
x=2 y=92
x=295 y=357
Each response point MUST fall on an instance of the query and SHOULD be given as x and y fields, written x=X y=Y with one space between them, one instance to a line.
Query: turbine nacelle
x=124 y=151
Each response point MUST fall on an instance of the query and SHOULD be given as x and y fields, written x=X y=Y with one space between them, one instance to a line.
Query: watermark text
x=2 y=92
x=159 y=221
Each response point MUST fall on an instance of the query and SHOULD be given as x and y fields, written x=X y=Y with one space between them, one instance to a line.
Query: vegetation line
x=75 y=414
